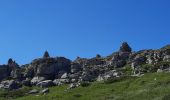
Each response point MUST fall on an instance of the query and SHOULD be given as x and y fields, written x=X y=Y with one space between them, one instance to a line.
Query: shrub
x=85 y=84
x=149 y=68
x=118 y=79
x=14 y=93
x=166 y=97
x=77 y=95
x=127 y=70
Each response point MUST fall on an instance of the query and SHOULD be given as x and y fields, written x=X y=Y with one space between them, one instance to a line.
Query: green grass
x=151 y=86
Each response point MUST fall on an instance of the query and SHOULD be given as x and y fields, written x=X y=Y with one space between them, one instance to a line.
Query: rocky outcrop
x=4 y=72
x=10 y=84
x=49 y=68
x=12 y=69
x=46 y=83
x=54 y=71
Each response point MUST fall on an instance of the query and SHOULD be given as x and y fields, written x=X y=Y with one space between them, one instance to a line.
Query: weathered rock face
x=108 y=75
x=48 y=67
x=26 y=82
x=48 y=71
x=76 y=67
x=10 y=84
x=9 y=70
x=37 y=79
x=46 y=83
x=4 y=72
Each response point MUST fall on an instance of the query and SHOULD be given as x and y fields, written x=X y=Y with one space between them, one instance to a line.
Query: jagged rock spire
x=125 y=47
x=10 y=61
x=46 y=55
x=98 y=56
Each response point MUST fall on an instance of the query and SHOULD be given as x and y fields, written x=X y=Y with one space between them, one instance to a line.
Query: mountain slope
x=151 y=86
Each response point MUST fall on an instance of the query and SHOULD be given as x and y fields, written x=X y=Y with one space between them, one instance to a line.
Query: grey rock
x=64 y=76
x=166 y=58
x=37 y=79
x=49 y=67
x=10 y=85
x=4 y=71
x=26 y=82
x=108 y=75
x=45 y=91
x=46 y=83
x=34 y=91
x=57 y=82
x=73 y=85
x=75 y=67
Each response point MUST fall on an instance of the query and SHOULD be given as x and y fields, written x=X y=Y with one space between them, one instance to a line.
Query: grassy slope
x=153 y=86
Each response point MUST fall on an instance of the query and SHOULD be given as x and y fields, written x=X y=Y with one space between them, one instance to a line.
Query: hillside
x=152 y=86
x=123 y=75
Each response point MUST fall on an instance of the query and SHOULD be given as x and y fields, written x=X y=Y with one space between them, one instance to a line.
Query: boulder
x=57 y=82
x=37 y=79
x=64 y=76
x=49 y=67
x=46 y=83
x=166 y=58
x=10 y=84
x=17 y=74
x=26 y=82
x=73 y=85
x=100 y=78
x=75 y=67
x=45 y=91
x=108 y=75
x=34 y=91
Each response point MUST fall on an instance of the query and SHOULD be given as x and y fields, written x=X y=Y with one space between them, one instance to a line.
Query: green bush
x=84 y=84
x=127 y=70
x=166 y=97
x=149 y=68
x=14 y=93
x=77 y=95
x=118 y=79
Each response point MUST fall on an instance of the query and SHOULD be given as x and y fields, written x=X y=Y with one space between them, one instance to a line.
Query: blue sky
x=82 y=28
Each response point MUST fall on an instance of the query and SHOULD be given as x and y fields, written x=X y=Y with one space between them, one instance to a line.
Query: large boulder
x=9 y=70
x=17 y=73
x=75 y=67
x=48 y=67
x=73 y=85
x=108 y=75
x=46 y=83
x=37 y=79
x=34 y=91
x=45 y=91
x=26 y=82
x=58 y=82
x=10 y=84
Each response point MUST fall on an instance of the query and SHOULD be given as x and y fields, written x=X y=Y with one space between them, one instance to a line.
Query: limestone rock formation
x=54 y=71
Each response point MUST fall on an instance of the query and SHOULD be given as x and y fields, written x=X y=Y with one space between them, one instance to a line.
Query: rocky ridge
x=54 y=71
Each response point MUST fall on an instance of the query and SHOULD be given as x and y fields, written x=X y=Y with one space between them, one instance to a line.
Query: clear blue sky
x=82 y=28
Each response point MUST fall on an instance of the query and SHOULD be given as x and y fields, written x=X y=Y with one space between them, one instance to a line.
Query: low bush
x=85 y=84
x=118 y=79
